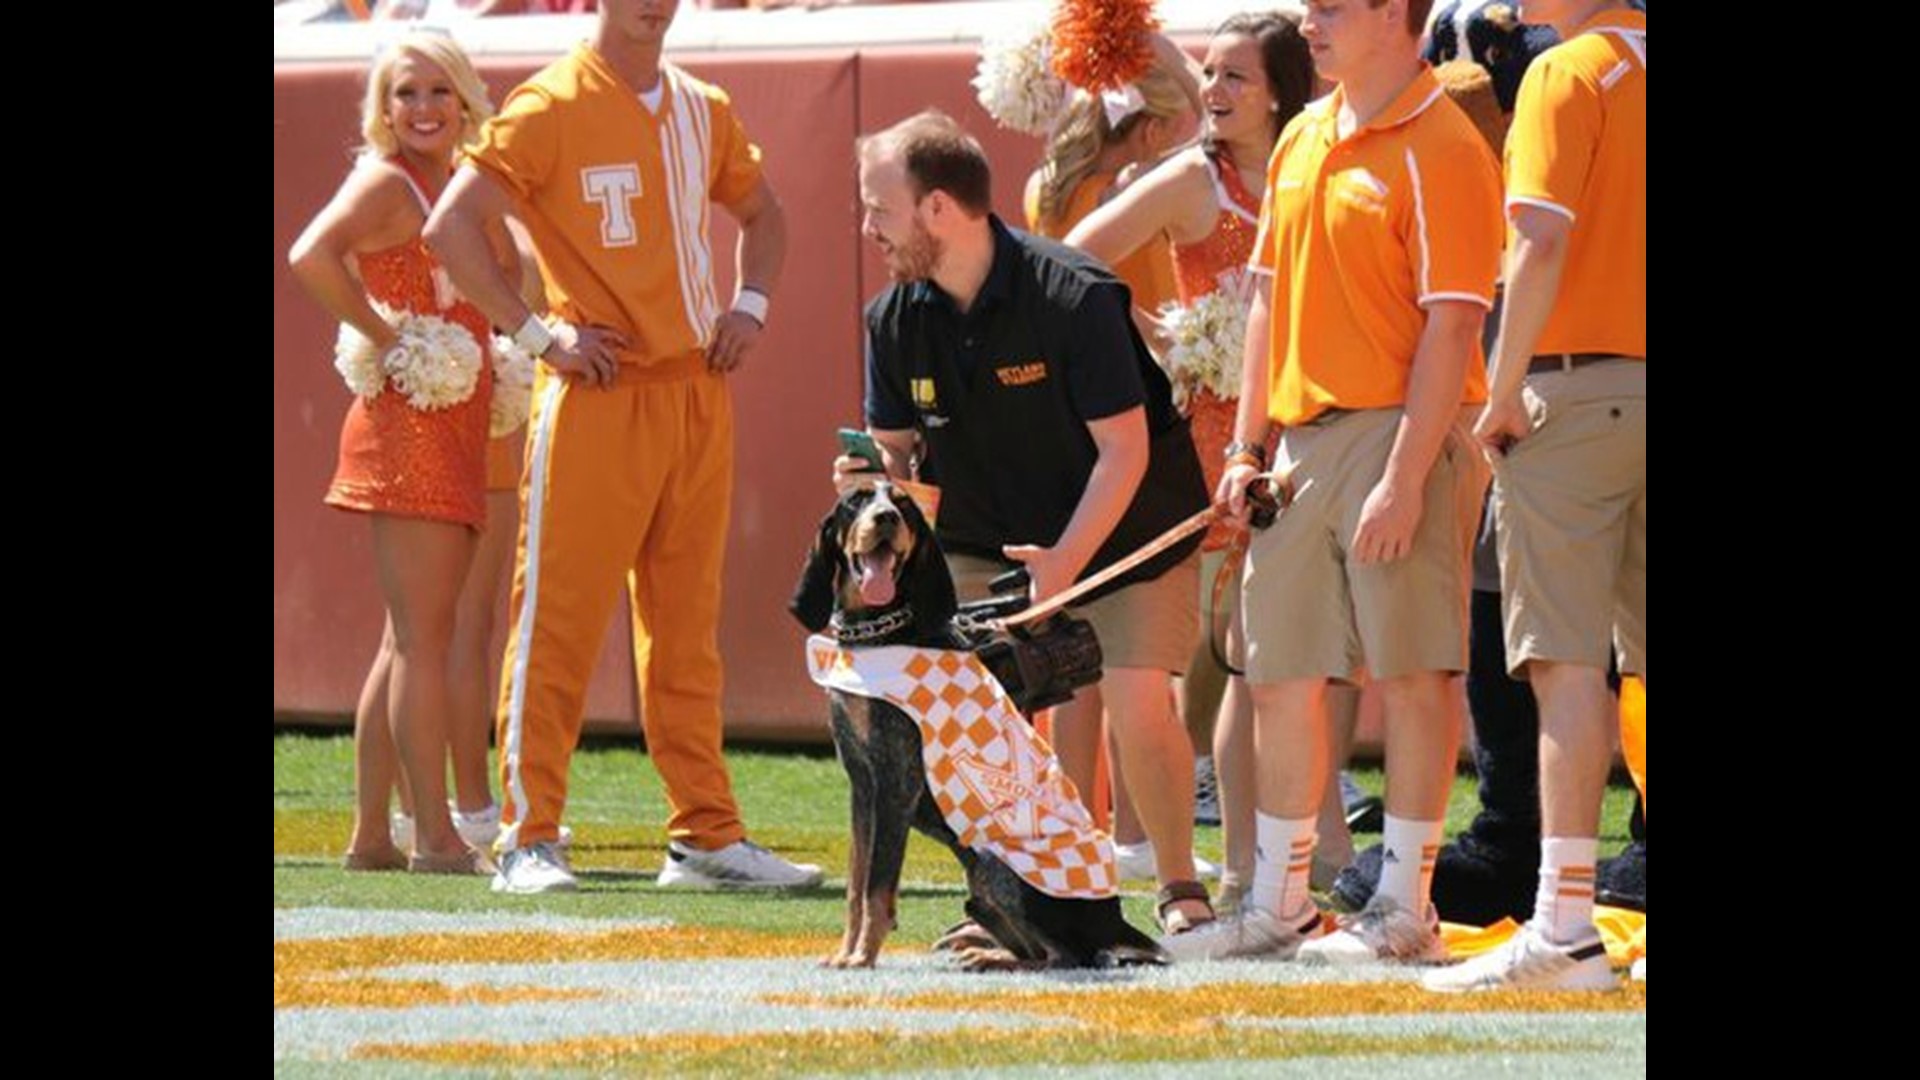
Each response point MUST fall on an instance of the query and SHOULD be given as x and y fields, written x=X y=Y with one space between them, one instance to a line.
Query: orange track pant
x=632 y=481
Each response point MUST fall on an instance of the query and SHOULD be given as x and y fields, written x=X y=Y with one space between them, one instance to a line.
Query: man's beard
x=914 y=258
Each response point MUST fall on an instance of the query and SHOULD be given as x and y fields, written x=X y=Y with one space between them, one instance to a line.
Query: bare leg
x=1076 y=742
x=1577 y=723
x=469 y=674
x=1157 y=759
x=1336 y=840
x=1126 y=821
x=1291 y=746
x=1423 y=741
x=1200 y=693
x=375 y=768
x=422 y=566
x=1233 y=768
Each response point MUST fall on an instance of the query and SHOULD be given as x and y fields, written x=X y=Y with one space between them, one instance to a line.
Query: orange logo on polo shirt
x=1021 y=374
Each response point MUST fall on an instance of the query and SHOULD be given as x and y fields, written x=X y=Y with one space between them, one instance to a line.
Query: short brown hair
x=938 y=155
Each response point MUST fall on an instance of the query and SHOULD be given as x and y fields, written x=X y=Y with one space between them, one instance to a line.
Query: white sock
x=1563 y=906
x=1406 y=862
x=1282 y=863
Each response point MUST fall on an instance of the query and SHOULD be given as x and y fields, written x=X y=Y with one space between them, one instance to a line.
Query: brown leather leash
x=1228 y=575
x=1283 y=490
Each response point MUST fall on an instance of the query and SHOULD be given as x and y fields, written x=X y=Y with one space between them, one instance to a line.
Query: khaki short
x=1309 y=613
x=1150 y=624
x=1570 y=502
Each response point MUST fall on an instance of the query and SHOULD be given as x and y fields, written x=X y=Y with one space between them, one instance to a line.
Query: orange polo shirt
x=1360 y=235
x=1578 y=147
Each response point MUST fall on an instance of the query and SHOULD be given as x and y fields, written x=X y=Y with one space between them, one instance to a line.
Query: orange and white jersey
x=995 y=781
x=618 y=195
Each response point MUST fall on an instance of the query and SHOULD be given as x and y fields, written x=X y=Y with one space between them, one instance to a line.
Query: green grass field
x=378 y=973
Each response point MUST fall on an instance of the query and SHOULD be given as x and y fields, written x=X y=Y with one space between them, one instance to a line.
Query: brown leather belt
x=1548 y=362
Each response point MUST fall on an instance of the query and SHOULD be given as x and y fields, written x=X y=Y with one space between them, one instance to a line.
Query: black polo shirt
x=1002 y=395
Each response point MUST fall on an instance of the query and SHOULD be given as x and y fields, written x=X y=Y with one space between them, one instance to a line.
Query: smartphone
x=861 y=445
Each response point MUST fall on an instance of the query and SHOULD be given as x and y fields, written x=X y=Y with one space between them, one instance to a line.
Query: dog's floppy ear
x=929 y=583
x=812 y=601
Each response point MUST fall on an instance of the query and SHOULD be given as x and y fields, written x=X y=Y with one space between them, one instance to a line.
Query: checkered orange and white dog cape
x=996 y=782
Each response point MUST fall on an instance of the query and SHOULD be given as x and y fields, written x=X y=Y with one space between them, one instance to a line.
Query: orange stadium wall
x=805 y=109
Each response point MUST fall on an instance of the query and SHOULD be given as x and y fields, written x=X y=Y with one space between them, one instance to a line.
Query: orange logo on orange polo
x=1021 y=374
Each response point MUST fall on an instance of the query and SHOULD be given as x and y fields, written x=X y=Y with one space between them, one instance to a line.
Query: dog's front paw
x=965 y=935
x=977 y=960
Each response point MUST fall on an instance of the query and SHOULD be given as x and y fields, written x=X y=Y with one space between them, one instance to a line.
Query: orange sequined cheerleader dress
x=1217 y=262
x=394 y=458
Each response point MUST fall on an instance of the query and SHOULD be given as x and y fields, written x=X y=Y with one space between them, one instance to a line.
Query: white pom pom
x=437 y=363
x=358 y=362
x=1016 y=83
x=512 y=387
x=1206 y=340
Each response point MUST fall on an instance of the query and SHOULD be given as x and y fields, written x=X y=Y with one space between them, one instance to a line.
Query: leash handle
x=1158 y=544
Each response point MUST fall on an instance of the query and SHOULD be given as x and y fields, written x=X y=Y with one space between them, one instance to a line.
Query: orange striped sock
x=1563 y=906
x=1283 y=860
x=1408 y=850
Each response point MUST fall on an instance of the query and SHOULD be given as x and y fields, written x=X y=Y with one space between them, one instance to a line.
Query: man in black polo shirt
x=1004 y=368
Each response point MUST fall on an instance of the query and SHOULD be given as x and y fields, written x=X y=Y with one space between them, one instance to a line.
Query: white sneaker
x=541 y=868
x=1528 y=961
x=401 y=825
x=1639 y=972
x=1251 y=931
x=1135 y=862
x=1383 y=931
x=1206 y=792
x=741 y=864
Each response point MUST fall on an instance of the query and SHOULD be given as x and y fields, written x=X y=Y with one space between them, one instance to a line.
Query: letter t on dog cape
x=996 y=782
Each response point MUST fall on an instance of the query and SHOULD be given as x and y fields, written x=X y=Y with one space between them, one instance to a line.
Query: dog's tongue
x=876 y=578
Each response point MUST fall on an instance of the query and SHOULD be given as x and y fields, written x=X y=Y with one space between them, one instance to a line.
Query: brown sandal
x=390 y=859
x=1174 y=892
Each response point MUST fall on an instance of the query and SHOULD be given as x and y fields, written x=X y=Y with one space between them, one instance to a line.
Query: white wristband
x=753 y=304
x=534 y=336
